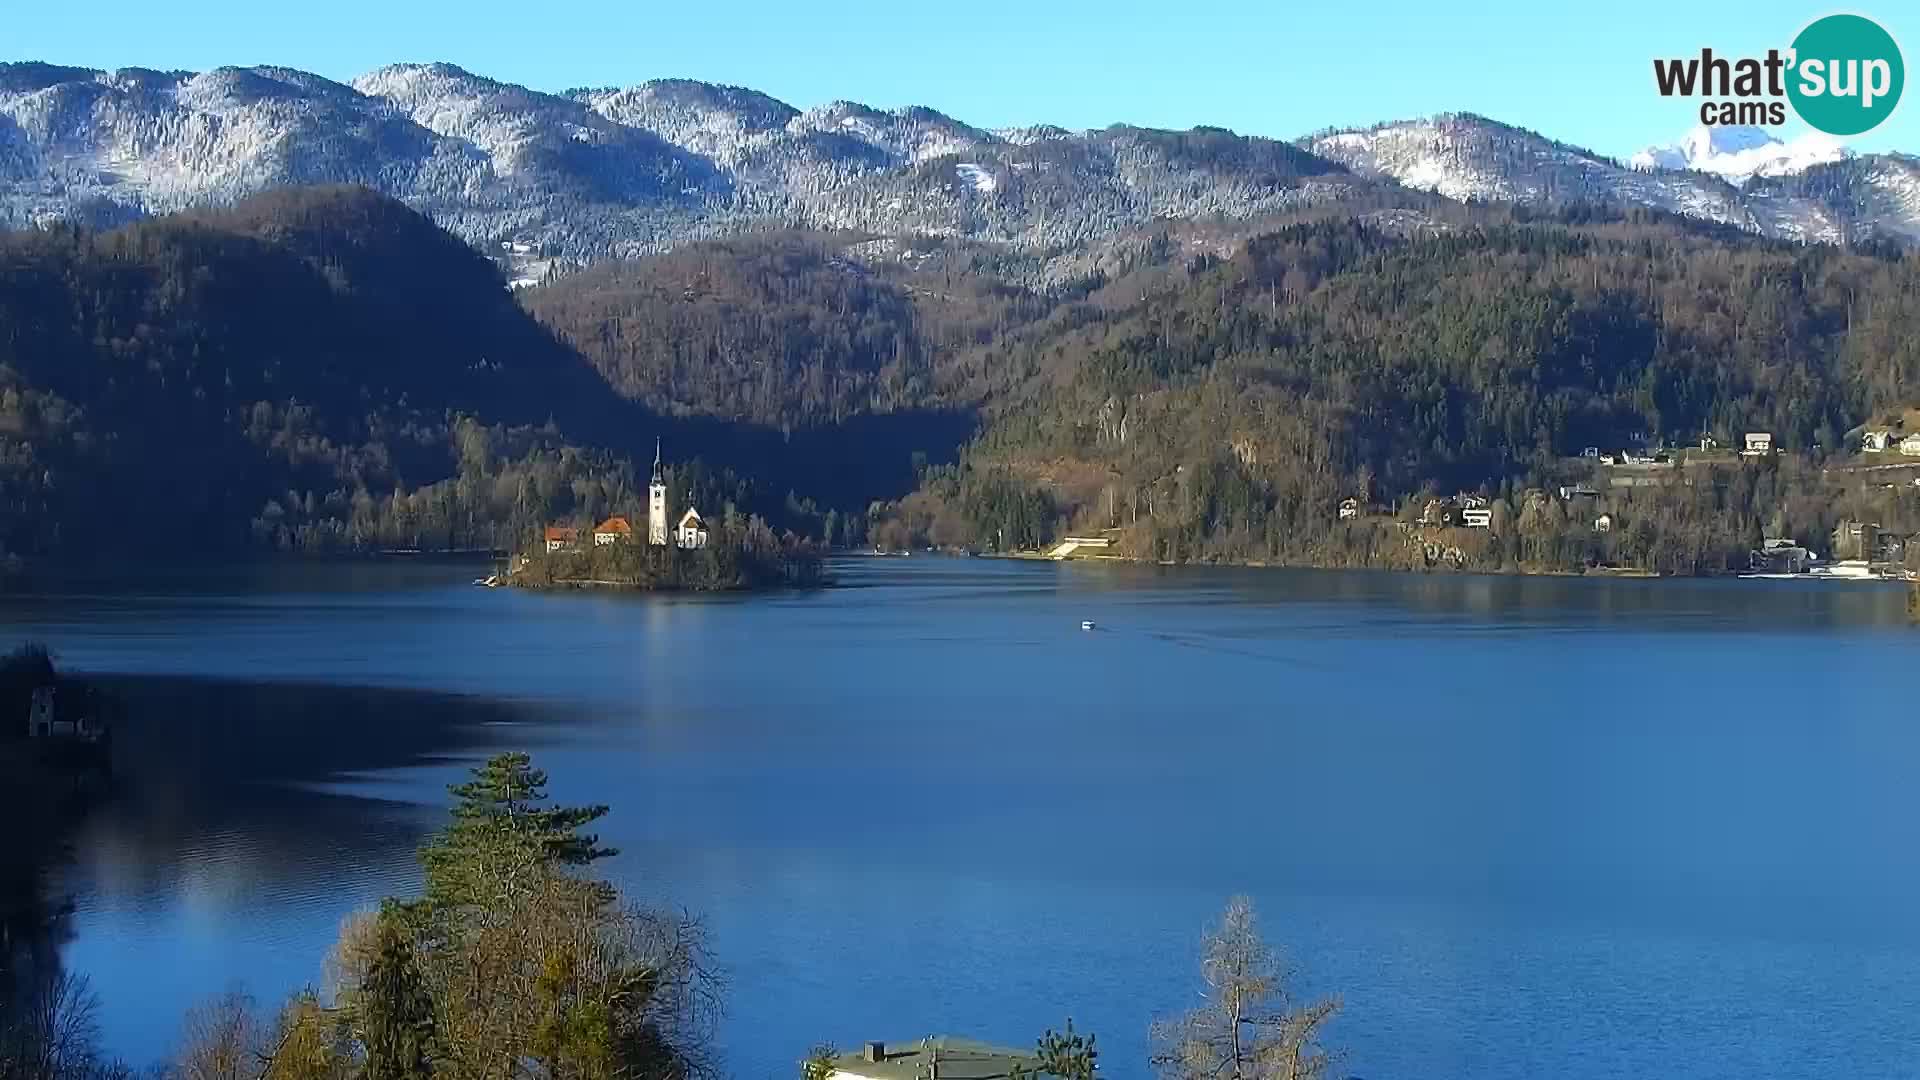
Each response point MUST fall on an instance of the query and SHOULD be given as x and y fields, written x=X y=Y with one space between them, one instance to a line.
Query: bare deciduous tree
x=53 y=1035
x=223 y=1039
x=1250 y=1027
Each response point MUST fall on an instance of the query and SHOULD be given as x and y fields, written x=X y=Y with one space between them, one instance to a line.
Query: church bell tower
x=657 y=502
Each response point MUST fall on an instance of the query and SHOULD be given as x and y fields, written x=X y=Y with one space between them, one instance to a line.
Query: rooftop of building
x=944 y=1056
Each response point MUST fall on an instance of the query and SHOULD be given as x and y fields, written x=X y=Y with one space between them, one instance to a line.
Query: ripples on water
x=1525 y=826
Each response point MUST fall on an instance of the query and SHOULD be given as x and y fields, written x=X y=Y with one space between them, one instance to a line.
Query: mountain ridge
x=591 y=173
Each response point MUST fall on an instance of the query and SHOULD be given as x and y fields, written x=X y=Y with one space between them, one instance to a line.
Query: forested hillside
x=315 y=369
x=1225 y=413
x=323 y=369
x=784 y=329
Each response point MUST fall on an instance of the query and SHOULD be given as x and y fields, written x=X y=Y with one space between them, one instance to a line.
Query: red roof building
x=612 y=529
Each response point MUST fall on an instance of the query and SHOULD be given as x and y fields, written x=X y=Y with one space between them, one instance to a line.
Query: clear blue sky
x=1578 y=72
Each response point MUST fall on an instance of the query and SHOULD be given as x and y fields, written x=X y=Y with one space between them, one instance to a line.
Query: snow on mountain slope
x=725 y=123
x=608 y=171
x=1464 y=156
x=1740 y=153
x=910 y=135
x=971 y=172
x=1865 y=197
x=597 y=172
x=528 y=135
x=160 y=142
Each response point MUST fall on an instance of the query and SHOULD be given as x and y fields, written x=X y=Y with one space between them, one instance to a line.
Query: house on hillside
x=611 y=530
x=941 y=1056
x=1856 y=540
x=1708 y=443
x=1758 y=444
x=691 y=533
x=1478 y=517
x=1603 y=523
x=561 y=538
x=1877 y=442
x=1910 y=446
x=1349 y=509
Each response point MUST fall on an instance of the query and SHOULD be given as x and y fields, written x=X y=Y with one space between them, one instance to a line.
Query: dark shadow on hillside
x=847 y=465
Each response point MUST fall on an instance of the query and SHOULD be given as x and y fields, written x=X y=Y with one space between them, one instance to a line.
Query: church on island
x=688 y=534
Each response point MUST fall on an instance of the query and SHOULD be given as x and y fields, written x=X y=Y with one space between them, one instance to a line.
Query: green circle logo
x=1847 y=74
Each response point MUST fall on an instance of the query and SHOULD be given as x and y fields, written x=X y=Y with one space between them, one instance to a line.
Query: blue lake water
x=1524 y=827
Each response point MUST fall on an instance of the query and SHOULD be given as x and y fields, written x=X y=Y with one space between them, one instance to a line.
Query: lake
x=1523 y=826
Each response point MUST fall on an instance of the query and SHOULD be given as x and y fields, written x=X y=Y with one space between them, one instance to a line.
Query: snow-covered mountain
x=1741 y=153
x=613 y=171
x=608 y=171
x=1463 y=156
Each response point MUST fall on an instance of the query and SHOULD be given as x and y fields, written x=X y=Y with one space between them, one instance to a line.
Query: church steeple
x=657 y=501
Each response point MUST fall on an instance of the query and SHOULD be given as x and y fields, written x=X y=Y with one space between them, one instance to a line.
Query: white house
x=1603 y=523
x=1478 y=517
x=1349 y=509
x=1910 y=446
x=691 y=533
x=1759 y=444
x=1875 y=442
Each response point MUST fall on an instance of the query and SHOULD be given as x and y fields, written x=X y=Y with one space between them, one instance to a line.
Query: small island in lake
x=736 y=552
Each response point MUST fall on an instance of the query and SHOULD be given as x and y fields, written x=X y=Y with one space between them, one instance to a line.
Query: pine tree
x=392 y=1010
x=502 y=840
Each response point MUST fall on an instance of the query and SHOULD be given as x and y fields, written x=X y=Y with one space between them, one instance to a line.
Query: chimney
x=876 y=1052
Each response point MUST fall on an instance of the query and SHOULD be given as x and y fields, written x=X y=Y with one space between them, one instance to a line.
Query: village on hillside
x=1855 y=550
x=1857 y=515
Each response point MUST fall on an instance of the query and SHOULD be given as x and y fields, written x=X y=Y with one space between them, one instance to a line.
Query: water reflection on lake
x=1526 y=826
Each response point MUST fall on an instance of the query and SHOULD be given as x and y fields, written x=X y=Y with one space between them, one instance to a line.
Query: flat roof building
x=942 y=1057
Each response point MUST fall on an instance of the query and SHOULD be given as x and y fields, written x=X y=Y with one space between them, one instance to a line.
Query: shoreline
x=1623 y=572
